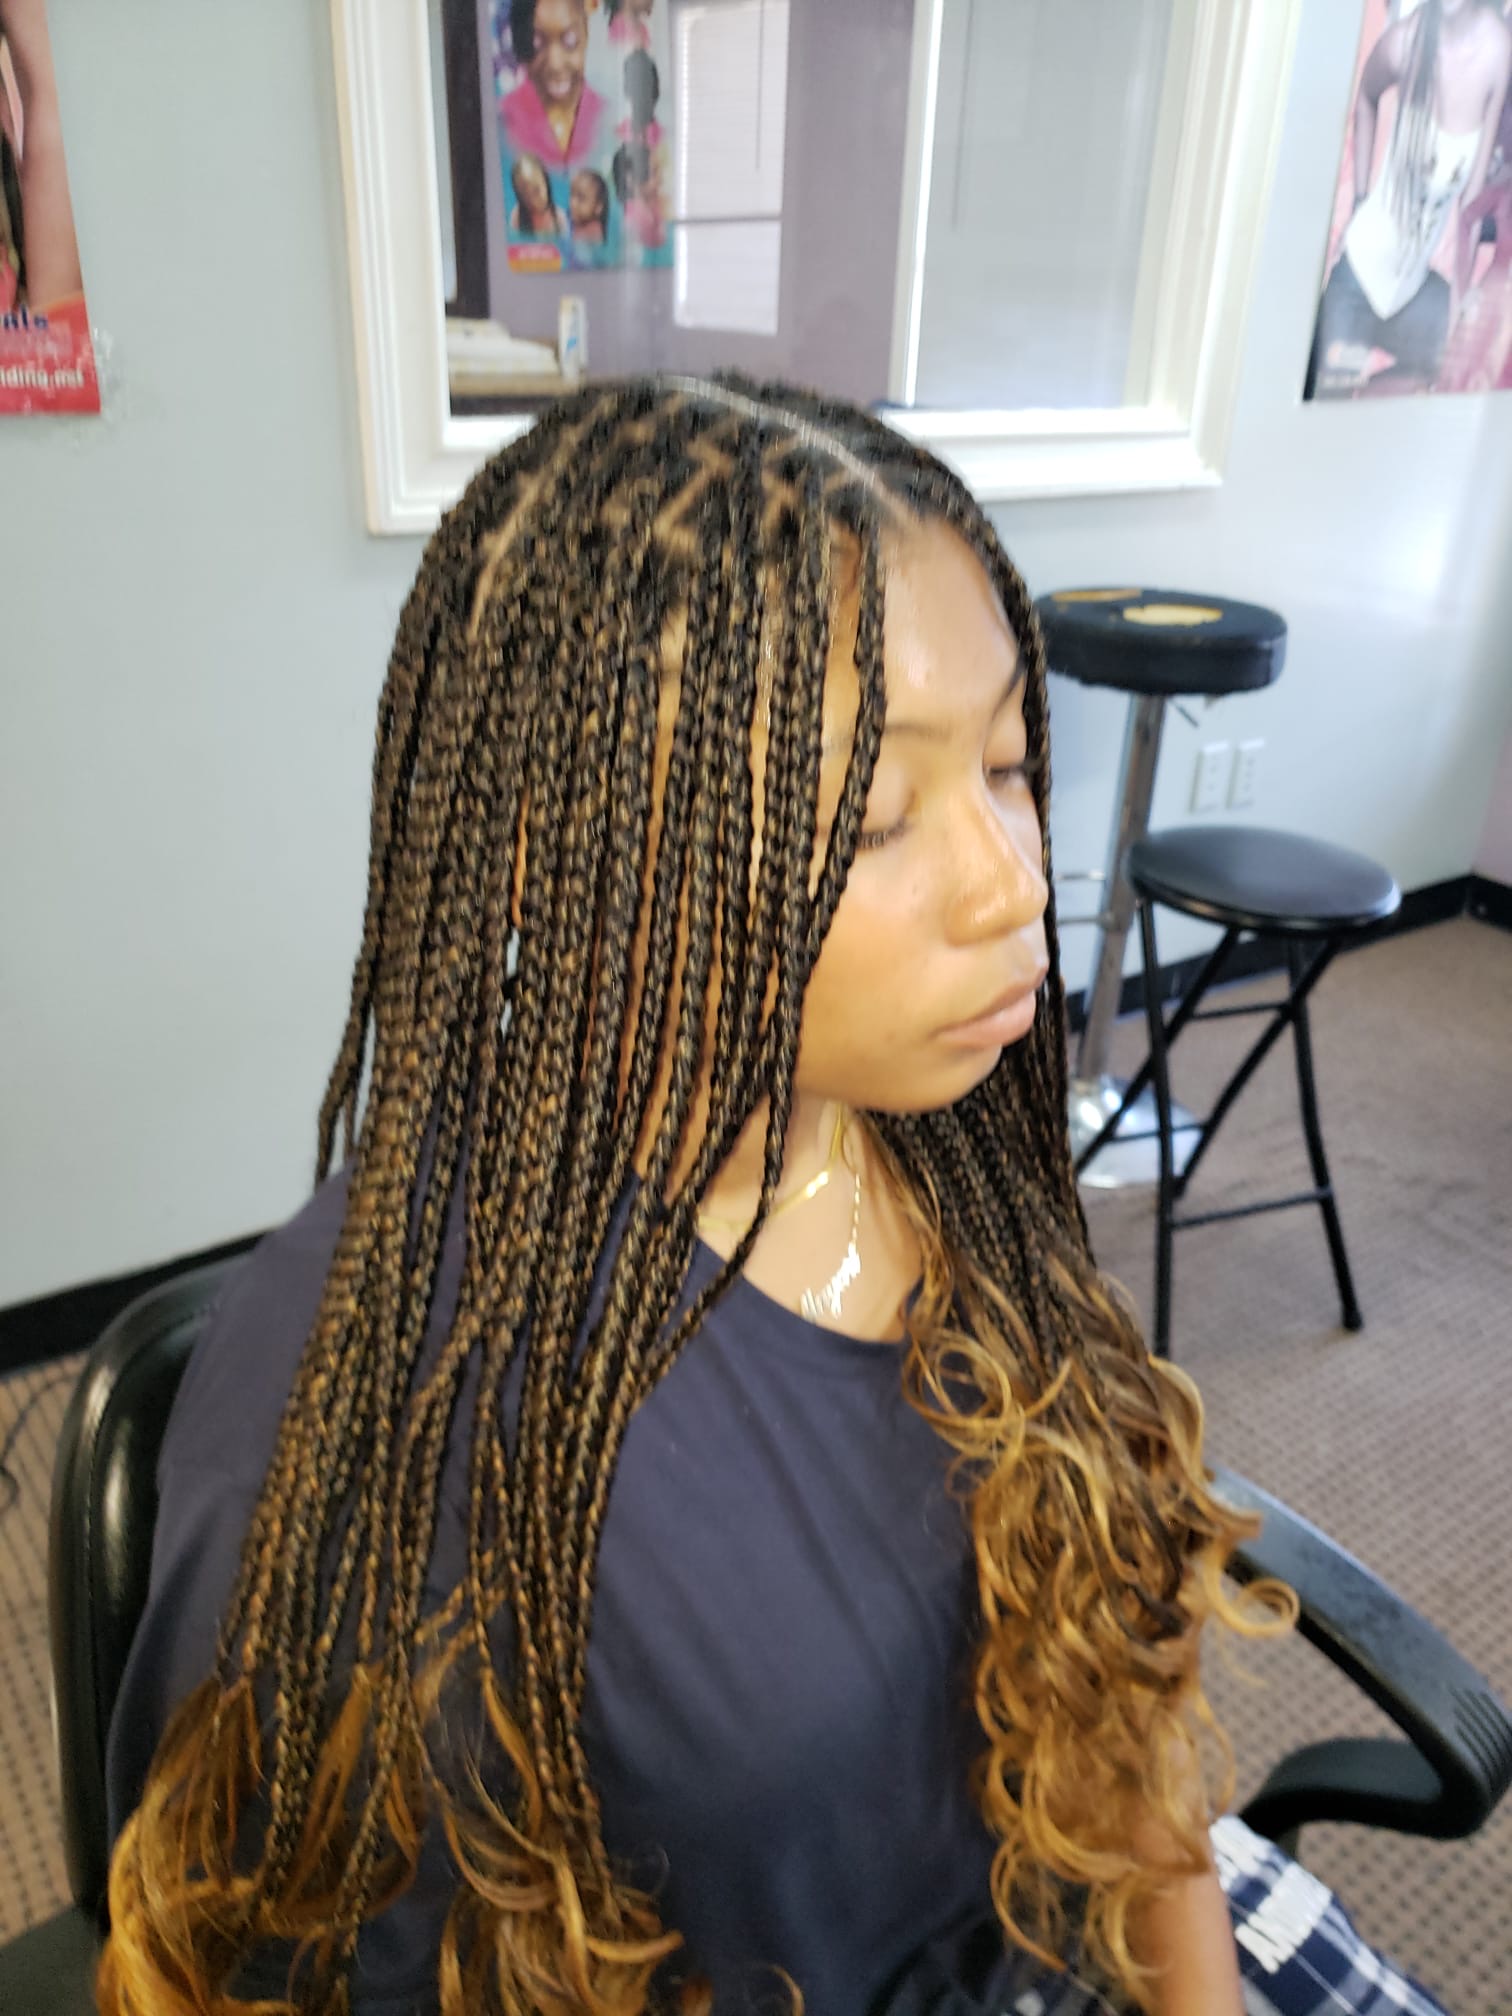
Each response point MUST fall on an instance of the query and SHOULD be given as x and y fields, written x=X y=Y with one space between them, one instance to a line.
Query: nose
x=999 y=870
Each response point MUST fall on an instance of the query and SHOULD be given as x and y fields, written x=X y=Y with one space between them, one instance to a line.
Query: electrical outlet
x=1242 y=785
x=1212 y=774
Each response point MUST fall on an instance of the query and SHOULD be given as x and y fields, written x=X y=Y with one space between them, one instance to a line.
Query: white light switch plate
x=1211 y=779
x=1244 y=784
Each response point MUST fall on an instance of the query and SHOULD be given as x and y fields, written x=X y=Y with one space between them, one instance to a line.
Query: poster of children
x=1417 y=293
x=47 y=362
x=581 y=88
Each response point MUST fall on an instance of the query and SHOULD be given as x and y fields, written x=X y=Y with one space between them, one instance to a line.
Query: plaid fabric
x=1299 y=1955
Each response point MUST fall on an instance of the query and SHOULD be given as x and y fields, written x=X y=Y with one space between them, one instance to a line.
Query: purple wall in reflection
x=842 y=185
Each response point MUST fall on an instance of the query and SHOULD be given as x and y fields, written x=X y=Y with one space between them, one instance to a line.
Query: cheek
x=861 y=997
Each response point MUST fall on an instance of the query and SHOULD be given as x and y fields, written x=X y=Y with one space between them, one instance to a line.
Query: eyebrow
x=832 y=745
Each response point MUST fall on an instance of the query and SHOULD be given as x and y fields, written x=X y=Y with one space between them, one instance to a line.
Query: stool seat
x=1161 y=641
x=1257 y=879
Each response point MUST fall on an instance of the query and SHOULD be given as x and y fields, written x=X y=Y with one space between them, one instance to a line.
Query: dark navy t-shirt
x=777 y=1707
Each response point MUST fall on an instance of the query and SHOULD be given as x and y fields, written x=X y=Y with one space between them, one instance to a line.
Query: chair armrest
x=49 y=1969
x=1448 y=1776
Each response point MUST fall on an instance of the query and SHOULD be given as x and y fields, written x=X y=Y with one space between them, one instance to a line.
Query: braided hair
x=491 y=1012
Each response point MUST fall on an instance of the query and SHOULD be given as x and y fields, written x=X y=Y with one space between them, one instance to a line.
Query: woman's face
x=561 y=50
x=944 y=917
x=531 y=186
x=583 y=202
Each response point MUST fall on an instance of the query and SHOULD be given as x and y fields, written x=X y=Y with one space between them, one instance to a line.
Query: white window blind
x=732 y=79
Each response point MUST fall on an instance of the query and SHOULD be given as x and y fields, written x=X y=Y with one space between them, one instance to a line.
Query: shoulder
x=242 y=1367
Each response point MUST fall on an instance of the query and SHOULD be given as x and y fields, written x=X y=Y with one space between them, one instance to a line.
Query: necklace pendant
x=826 y=1302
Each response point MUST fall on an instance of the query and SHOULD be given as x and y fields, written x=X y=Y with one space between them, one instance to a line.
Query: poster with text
x=1417 y=288
x=582 y=95
x=47 y=362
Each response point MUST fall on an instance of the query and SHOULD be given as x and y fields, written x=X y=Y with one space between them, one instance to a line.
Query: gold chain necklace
x=824 y=1301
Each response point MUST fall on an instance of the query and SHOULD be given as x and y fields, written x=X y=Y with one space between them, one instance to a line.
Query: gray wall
x=195 y=629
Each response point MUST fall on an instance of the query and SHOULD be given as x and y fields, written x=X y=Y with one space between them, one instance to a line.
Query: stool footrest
x=1223 y=1014
x=1249 y=1210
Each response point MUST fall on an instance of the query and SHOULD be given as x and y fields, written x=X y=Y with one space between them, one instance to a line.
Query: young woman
x=638 y=187
x=588 y=208
x=534 y=213
x=553 y=111
x=679 y=1521
x=630 y=23
x=39 y=252
x=1448 y=63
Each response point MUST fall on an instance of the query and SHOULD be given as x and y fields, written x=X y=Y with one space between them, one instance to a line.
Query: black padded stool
x=1255 y=882
x=1156 y=645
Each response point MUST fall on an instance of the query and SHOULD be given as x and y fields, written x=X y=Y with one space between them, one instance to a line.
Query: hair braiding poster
x=1417 y=295
x=47 y=362
x=583 y=115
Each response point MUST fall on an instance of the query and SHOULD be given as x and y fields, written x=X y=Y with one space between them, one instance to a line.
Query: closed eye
x=999 y=777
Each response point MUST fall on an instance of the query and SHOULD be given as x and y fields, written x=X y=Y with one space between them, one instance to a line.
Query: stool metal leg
x=1306 y=1084
x=1095 y=1095
x=1141 y=752
x=1160 y=1073
x=1135 y=1089
x=1304 y=979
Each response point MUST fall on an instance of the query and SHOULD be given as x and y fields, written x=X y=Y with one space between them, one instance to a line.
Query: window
x=1042 y=164
x=731 y=123
x=1023 y=228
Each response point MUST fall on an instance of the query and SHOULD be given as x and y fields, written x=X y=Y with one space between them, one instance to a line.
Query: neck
x=561 y=112
x=809 y=1147
x=736 y=1185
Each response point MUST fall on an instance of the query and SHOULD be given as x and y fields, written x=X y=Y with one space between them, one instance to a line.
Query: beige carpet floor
x=1396 y=1439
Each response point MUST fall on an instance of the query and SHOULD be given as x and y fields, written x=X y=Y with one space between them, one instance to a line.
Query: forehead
x=948 y=648
x=947 y=644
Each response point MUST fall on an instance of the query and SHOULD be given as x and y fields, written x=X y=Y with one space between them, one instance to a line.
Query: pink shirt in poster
x=652 y=134
x=529 y=131
x=628 y=31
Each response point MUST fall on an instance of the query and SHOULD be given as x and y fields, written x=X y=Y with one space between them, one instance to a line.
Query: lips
x=1008 y=1000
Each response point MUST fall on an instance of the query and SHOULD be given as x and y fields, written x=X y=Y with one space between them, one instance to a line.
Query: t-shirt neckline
x=794 y=1333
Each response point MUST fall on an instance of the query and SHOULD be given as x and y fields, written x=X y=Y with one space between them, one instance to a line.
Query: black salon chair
x=99 y=1552
x=1443 y=1777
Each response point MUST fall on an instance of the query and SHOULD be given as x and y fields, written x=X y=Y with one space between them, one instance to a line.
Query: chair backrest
x=104 y=1505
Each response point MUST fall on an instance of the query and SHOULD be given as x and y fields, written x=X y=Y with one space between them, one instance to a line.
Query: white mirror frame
x=1225 y=97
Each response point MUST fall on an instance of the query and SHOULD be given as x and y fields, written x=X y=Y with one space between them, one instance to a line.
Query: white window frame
x=1225 y=96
